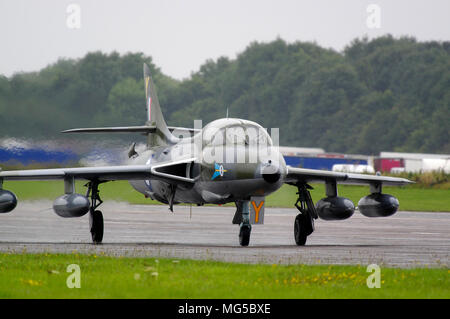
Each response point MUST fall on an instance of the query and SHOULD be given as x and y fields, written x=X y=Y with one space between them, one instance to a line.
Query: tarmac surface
x=406 y=239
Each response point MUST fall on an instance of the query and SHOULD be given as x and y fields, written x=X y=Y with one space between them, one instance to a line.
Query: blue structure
x=324 y=163
x=28 y=156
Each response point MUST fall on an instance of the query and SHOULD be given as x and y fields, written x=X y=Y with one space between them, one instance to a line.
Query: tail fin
x=155 y=118
x=155 y=127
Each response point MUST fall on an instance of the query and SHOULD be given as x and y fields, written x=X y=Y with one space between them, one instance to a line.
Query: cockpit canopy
x=235 y=132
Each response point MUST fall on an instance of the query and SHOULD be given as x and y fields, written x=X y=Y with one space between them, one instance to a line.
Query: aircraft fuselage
x=228 y=166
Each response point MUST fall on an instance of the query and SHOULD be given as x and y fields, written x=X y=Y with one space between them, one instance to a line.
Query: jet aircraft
x=228 y=160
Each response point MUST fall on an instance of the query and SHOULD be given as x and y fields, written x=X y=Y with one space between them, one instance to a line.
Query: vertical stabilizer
x=162 y=136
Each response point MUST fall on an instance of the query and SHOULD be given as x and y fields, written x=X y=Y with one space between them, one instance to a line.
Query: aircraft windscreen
x=241 y=135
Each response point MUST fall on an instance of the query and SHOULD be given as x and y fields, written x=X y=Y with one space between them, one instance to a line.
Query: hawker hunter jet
x=228 y=160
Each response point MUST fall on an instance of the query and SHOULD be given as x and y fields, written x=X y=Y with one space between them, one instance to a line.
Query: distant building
x=352 y=168
x=412 y=162
x=298 y=151
x=317 y=158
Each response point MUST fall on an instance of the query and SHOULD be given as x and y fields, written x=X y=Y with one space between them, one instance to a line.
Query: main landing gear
x=242 y=218
x=95 y=216
x=304 y=222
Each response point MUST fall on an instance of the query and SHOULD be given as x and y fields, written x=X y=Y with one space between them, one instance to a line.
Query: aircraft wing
x=295 y=175
x=103 y=173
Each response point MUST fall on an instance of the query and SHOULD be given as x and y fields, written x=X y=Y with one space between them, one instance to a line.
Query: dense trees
x=384 y=94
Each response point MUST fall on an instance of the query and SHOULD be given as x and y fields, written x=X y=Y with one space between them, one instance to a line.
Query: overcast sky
x=181 y=35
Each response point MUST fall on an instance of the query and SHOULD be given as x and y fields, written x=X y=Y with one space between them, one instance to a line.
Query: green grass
x=45 y=275
x=411 y=198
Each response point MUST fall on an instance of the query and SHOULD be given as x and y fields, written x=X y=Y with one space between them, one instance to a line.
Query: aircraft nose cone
x=270 y=172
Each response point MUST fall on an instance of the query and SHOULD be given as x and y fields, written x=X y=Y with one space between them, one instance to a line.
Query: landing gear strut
x=304 y=222
x=242 y=217
x=95 y=216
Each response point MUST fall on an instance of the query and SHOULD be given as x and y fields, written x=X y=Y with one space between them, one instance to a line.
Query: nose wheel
x=242 y=217
x=244 y=234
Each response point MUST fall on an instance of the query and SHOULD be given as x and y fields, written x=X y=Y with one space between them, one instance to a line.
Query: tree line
x=384 y=94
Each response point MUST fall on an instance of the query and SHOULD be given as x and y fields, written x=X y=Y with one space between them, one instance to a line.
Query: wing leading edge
x=103 y=174
x=295 y=175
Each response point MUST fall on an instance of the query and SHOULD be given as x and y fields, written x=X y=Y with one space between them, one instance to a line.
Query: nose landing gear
x=242 y=217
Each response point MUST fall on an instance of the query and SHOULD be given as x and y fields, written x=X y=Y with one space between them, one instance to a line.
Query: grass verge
x=45 y=276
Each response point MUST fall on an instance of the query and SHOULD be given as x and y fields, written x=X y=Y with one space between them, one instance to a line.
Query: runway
x=407 y=239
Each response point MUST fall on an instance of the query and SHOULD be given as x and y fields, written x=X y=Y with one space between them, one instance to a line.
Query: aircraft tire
x=244 y=234
x=300 y=233
x=96 y=219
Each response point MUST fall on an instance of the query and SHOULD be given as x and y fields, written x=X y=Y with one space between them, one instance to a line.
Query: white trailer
x=420 y=162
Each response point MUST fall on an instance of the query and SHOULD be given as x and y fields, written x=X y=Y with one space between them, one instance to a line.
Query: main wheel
x=300 y=232
x=244 y=234
x=96 y=221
